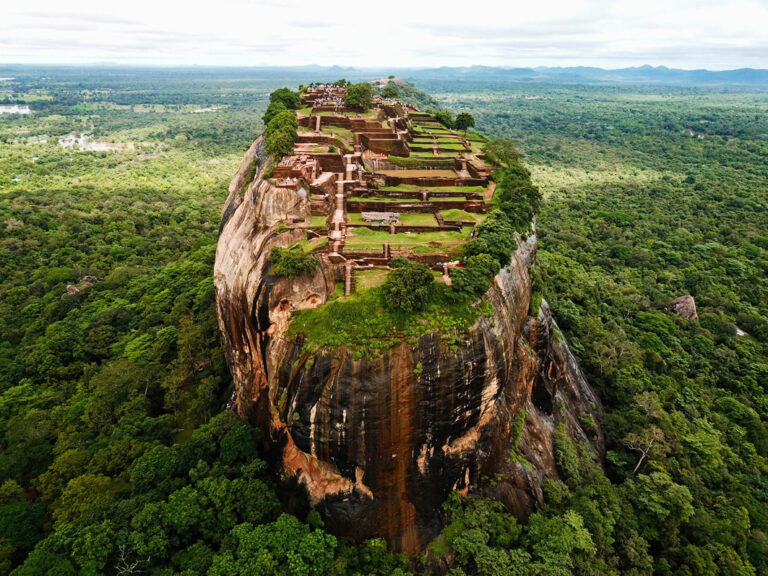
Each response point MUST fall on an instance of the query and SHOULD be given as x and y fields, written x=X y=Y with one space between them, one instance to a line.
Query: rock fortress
x=374 y=413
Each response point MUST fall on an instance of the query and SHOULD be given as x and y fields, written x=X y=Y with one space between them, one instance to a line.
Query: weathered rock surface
x=377 y=444
x=685 y=307
x=70 y=291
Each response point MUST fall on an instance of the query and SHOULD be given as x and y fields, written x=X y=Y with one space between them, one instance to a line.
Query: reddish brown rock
x=375 y=444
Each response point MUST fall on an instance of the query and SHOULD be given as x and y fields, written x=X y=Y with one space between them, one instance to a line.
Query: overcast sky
x=715 y=34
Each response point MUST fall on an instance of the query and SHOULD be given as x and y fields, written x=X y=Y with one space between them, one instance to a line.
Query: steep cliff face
x=377 y=443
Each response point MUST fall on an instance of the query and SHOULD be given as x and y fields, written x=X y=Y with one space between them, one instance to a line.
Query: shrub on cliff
x=473 y=281
x=273 y=110
x=281 y=100
x=495 y=237
x=281 y=133
x=291 y=262
x=359 y=96
x=501 y=151
x=516 y=195
x=408 y=287
x=286 y=97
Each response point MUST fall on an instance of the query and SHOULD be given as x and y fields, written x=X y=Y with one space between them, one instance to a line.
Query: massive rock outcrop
x=377 y=443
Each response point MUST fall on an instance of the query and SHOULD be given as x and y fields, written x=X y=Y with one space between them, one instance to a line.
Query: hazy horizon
x=378 y=69
x=692 y=34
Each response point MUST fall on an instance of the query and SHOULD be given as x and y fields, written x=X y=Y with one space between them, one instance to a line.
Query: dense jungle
x=117 y=452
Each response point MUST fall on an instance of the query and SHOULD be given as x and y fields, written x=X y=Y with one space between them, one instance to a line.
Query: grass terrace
x=453 y=146
x=456 y=214
x=419 y=162
x=427 y=219
x=418 y=146
x=310 y=244
x=383 y=199
x=406 y=200
x=419 y=242
x=368 y=114
x=431 y=154
x=345 y=135
x=431 y=130
x=439 y=139
x=437 y=173
x=413 y=187
x=475 y=137
x=365 y=279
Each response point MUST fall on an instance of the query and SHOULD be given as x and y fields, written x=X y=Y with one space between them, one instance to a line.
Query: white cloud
x=397 y=33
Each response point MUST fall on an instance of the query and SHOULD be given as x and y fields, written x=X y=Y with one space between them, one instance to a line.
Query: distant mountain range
x=742 y=77
x=583 y=74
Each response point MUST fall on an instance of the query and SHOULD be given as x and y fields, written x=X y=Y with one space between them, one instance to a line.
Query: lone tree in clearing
x=464 y=121
x=359 y=96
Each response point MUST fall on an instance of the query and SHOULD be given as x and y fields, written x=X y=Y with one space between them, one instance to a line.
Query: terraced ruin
x=386 y=182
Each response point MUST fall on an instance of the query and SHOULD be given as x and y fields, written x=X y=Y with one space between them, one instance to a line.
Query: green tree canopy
x=389 y=91
x=359 y=96
x=281 y=134
x=464 y=121
x=408 y=287
x=287 y=97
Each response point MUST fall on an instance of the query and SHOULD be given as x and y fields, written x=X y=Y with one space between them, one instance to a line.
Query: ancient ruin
x=377 y=440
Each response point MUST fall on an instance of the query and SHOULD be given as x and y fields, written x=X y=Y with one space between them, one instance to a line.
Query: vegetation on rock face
x=281 y=134
x=291 y=262
x=473 y=280
x=367 y=325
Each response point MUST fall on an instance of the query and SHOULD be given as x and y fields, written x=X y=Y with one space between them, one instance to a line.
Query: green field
x=418 y=220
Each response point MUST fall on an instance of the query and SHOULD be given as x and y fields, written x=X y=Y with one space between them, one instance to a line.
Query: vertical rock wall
x=377 y=444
